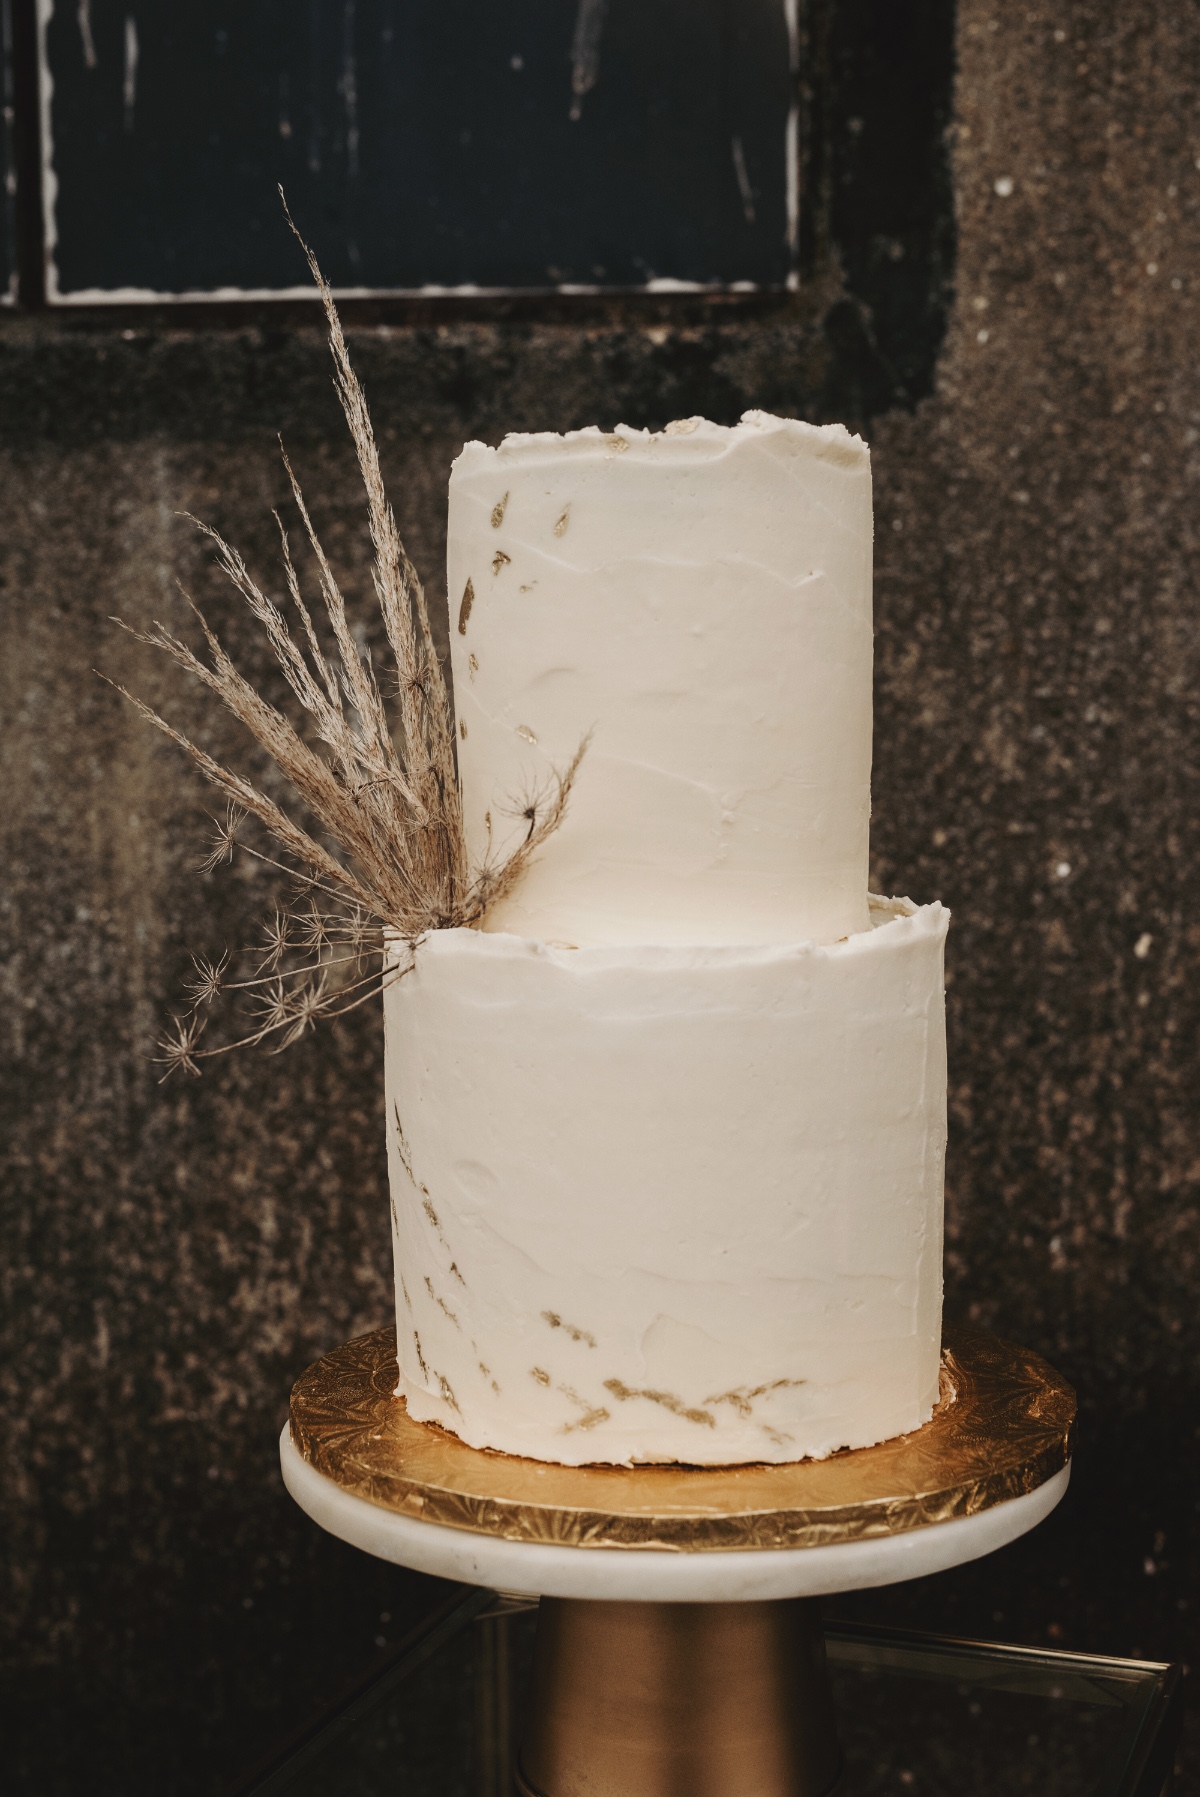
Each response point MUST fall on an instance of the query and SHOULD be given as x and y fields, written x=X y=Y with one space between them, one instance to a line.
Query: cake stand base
x=661 y=1699
x=679 y=1650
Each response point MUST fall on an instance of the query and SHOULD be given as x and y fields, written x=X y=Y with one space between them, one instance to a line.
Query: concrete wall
x=174 y=1254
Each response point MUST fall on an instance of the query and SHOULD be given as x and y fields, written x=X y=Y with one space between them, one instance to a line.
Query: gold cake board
x=666 y=1662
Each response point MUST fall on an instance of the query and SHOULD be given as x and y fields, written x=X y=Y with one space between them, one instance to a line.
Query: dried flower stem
x=386 y=796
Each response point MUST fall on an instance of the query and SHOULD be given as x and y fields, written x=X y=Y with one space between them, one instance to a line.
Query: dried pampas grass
x=386 y=856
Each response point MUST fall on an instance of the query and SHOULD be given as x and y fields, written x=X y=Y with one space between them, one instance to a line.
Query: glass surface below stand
x=925 y=1713
x=936 y=1715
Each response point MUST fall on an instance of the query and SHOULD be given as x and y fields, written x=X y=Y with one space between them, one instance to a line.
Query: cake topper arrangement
x=382 y=854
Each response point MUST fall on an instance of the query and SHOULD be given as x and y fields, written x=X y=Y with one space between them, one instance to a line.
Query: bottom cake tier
x=670 y=1204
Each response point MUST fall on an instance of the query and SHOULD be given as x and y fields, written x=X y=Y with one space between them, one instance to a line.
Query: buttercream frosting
x=670 y=1202
x=699 y=601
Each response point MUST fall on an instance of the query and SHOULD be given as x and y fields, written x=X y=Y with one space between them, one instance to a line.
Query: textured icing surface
x=700 y=600
x=670 y=1203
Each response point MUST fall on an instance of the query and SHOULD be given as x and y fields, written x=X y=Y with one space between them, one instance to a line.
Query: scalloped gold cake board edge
x=1004 y=1425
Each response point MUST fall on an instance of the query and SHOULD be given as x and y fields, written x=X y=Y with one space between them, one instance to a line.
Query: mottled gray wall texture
x=175 y=1254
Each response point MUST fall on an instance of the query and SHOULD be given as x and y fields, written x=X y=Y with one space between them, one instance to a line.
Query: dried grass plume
x=382 y=852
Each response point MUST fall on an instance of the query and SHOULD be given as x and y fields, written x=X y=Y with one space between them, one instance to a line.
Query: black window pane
x=8 y=161
x=422 y=143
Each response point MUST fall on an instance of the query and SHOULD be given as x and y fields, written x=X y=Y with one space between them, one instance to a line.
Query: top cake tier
x=699 y=600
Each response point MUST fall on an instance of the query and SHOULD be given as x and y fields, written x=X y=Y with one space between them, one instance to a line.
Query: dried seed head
x=208 y=981
x=177 y=1052
x=224 y=839
x=276 y=938
x=312 y=928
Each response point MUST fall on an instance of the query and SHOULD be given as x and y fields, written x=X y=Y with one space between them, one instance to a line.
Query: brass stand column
x=679 y=1700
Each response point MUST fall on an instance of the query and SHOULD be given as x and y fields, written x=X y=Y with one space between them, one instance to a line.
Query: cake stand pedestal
x=669 y=1661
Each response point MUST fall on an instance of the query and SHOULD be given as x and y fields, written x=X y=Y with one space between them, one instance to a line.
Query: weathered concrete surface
x=175 y=1254
x=1038 y=744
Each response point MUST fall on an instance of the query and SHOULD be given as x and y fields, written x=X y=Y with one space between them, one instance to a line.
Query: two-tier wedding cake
x=666 y=1136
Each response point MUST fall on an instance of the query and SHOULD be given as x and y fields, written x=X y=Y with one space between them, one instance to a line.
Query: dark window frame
x=887 y=327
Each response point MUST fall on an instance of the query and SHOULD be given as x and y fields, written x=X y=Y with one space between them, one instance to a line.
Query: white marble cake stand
x=666 y=1662
x=657 y=1575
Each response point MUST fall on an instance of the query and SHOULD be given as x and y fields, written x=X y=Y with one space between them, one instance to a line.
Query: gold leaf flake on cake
x=500 y=560
x=464 y=610
x=743 y=1397
x=592 y=1413
x=667 y=1399
x=402 y=1148
x=540 y=1374
x=564 y=518
x=577 y=1335
x=427 y=1207
x=447 y=1392
x=441 y=1304
x=498 y=512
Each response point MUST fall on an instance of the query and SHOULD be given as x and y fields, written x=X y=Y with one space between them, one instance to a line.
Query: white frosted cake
x=667 y=1135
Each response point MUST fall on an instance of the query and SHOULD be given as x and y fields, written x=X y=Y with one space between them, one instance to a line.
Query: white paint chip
x=129 y=86
x=86 y=40
x=743 y=180
x=585 y=52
